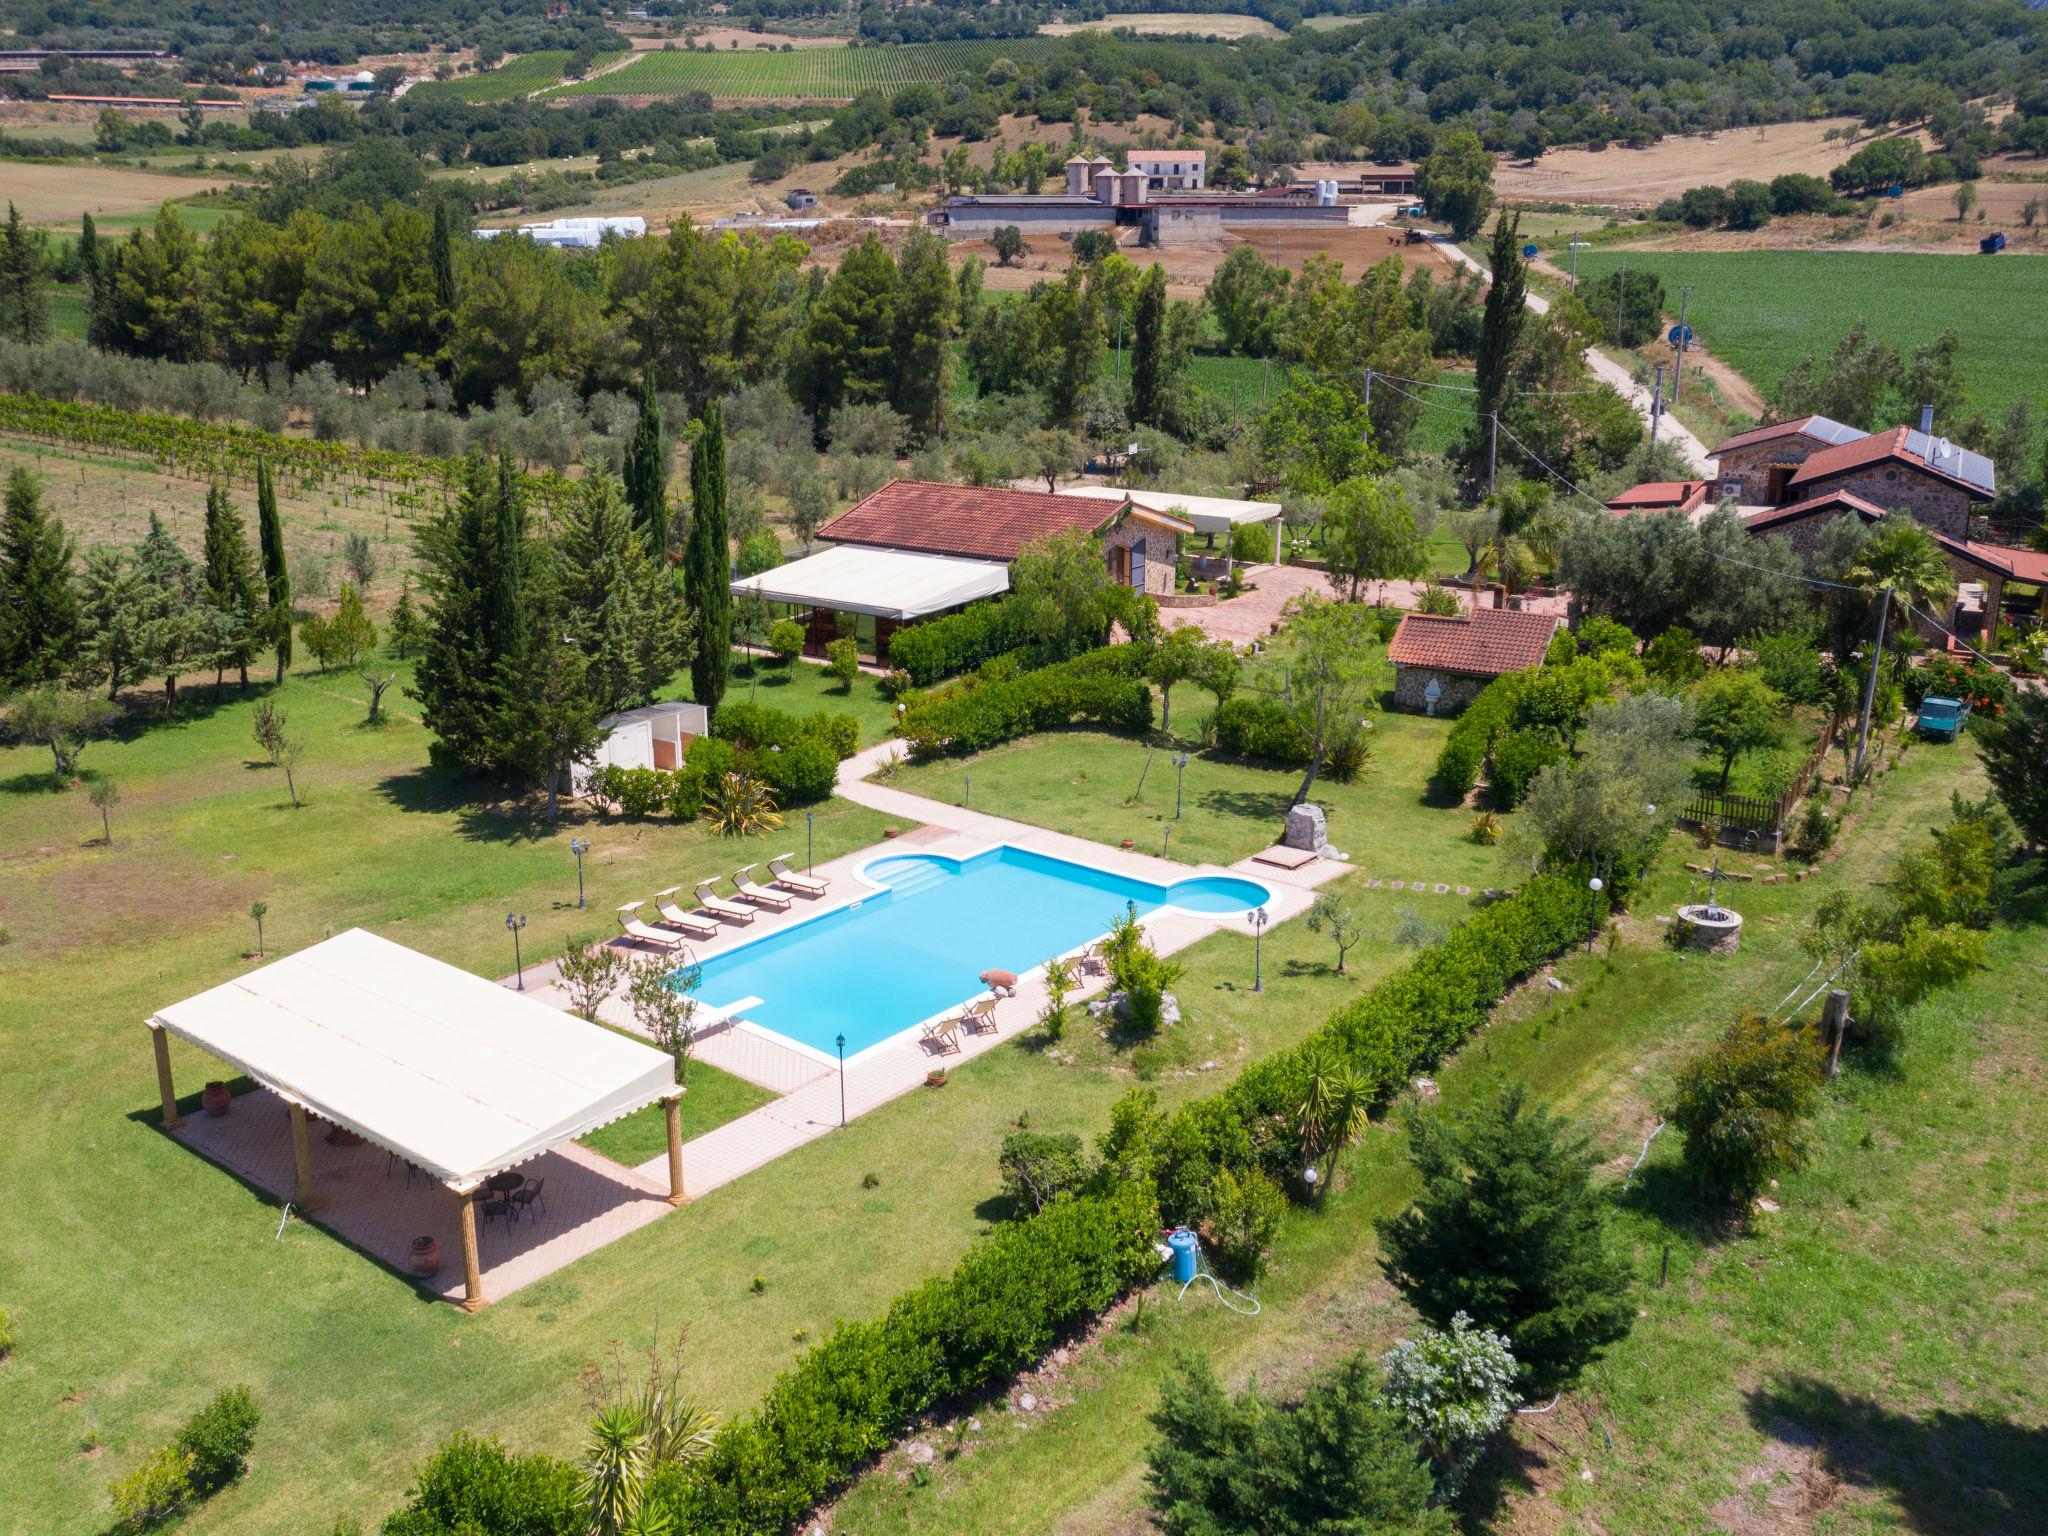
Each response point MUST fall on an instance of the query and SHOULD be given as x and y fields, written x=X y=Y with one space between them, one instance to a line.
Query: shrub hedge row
x=1463 y=753
x=940 y=648
x=1012 y=1295
x=1100 y=688
x=764 y=728
x=1256 y=725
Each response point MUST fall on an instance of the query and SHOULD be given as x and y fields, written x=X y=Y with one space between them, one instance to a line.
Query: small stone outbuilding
x=1441 y=662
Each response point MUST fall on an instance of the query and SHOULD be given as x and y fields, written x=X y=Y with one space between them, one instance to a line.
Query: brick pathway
x=1251 y=617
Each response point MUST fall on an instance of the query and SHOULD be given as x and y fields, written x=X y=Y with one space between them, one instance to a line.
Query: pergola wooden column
x=672 y=1111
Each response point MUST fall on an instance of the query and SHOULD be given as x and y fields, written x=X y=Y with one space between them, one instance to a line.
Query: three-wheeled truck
x=1943 y=719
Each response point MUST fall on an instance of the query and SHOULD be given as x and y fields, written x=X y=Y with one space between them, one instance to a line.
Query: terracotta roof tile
x=984 y=523
x=1892 y=444
x=2029 y=565
x=1821 y=429
x=1655 y=494
x=1847 y=501
x=1488 y=642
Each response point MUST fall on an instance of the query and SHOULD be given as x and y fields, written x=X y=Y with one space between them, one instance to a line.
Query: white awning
x=1209 y=514
x=888 y=583
x=453 y=1073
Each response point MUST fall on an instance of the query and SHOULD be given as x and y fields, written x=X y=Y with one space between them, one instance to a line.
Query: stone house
x=1654 y=496
x=1903 y=468
x=1753 y=468
x=1442 y=662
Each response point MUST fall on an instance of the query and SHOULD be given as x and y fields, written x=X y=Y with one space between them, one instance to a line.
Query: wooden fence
x=1756 y=813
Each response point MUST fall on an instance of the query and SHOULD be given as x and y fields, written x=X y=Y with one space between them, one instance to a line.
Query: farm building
x=915 y=549
x=1107 y=198
x=1169 y=170
x=1441 y=662
x=800 y=198
x=1936 y=480
x=1687 y=496
x=1356 y=178
x=576 y=234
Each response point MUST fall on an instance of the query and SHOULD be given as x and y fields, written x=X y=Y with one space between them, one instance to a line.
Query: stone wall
x=1161 y=550
x=1745 y=474
x=1934 y=503
x=1410 y=683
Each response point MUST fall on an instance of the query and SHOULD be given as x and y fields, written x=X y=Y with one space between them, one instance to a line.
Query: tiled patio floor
x=1251 y=617
x=370 y=1204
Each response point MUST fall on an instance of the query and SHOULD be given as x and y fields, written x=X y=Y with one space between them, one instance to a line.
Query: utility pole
x=1657 y=404
x=1870 y=688
x=1620 y=298
x=1492 y=450
x=1678 y=369
x=1576 y=247
x=1368 y=408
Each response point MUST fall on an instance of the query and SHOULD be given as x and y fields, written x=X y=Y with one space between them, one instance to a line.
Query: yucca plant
x=614 y=1485
x=740 y=805
x=1484 y=828
x=1331 y=1115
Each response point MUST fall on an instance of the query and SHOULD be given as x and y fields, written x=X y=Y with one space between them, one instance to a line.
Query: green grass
x=141 y=1278
x=1884 y=1312
x=526 y=74
x=1086 y=783
x=713 y=1098
x=801 y=687
x=1764 y=311
x=824 y=74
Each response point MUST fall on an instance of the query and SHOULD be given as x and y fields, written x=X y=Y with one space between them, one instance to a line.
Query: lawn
x=140 y=1278
x=1764 y=311
x=713 y=1098
x=1866 y=1359
x=801 y=687
x=1088 y=783
x=826 y=74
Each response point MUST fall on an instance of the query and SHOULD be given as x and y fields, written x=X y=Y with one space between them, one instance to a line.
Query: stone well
x=1717 y=930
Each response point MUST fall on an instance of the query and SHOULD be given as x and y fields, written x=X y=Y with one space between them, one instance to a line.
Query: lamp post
x=1596 y=885
x=579 y=846
x=840 y=1042
x=809 y=817
x=1180 y=763
x=967 y=794
x=1166 y=838
x=1259 y=920
x=516 y=921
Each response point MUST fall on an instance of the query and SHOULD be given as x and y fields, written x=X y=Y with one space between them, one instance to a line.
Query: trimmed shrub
x=1038 y=1169
x=477 y=1485
x=155 y=1490
x=1517 y=758
x=1095 y=689
x=763 y=728
x=940 y=648
x=1242 y=1219
x=1252 y=543
x=1256 y=726
x=1989 y=691
x=786 y=640
x=217 y=1439
x=1464 y=751
x=802 y=772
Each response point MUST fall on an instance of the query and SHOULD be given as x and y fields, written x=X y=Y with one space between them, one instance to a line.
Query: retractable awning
x=1209 y=514
x=458 y=1076
x=887 y=583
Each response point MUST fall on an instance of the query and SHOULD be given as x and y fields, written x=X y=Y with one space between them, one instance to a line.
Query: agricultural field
x=1764 y=311
x=526 y=74
x=58 y=194
x=1639 y=178
x=823 y=74
x=1223 y=25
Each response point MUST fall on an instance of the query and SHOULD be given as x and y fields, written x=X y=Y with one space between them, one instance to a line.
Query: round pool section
x=1216 y=895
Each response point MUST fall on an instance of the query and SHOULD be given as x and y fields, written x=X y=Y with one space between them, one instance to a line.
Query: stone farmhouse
x=1442 y=661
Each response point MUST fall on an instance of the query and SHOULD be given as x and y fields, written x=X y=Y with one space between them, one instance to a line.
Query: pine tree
x=707 y=562
x=546 y=719
x=476 y=559
x=111 y=641
x=925 y=302
x=1148 y=347
x=232 y=584
x=1509 y=1230
x=178 y=628
x=39 y=619
x=276 y=578
x=846 y=355
x=24 y=307
x=621 y=604
x=646 y=472
x=404 y=633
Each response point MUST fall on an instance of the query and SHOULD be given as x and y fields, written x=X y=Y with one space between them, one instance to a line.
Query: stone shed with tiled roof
x=1442 y=661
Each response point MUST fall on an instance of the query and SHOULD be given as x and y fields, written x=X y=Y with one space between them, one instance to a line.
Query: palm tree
x=1903 y=558
x=1332 y=1114
x=614 y=1485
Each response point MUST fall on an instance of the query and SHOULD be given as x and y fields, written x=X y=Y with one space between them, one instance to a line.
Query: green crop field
x=526 y=74
x=1764 y=311
x=822 y=73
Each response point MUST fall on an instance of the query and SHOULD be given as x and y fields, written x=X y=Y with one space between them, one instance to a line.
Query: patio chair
x=493 y=1209
x=789 y=880
x=673 y=916
x=528 y=1195
x=979 y=1016
x=1094 y=958
x=759 y=895
x=709 y=900
x=641 y=933
x=942 y=1035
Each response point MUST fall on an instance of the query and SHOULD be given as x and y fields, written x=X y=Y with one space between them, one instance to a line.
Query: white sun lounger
x=760 y=895
x=803 y=885
x=673 y=916
x=641 y=933
x=709 y=900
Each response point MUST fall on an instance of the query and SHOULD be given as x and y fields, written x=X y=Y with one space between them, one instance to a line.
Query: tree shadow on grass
x=1671 y=1195
x=44 y=783
x=1947 y=1472
x=482 y=814
x=1249 y=804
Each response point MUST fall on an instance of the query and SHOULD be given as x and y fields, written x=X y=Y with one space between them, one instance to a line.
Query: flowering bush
x=1452 y=1390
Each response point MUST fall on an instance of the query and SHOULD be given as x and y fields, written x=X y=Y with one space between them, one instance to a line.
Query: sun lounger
x=641 y=933
x=789 y=880
x=709 y=900
x=979 y=1016
x=942 y=1035
x=673 y=916
x=759 y=895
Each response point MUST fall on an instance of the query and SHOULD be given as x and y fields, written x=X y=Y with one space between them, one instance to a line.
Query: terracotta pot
x=426 y=1256
x=888 y=831
x=936 y=1078
x=216 y=1099
x=1129 y=844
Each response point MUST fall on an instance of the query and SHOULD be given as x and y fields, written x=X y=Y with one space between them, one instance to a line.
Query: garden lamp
x=967 y=794
x=1180 y=763
x=840 y=1042
x=809 y=817
x=1596 y=885
x=1259 y=919
x=1166 y=838
x=516 y=921
x=579 y=846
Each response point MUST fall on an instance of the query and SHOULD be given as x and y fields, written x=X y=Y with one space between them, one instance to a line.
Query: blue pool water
x=914 y=950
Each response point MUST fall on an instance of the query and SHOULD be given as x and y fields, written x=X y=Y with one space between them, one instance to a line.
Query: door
x=1119 y=565
x=1138 y=566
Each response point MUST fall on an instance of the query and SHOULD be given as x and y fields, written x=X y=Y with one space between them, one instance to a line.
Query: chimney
x=1927 y=421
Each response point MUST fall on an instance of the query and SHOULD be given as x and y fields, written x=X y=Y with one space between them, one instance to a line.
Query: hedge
x=1464 y=751
x=1258 y=726
x=763 y=728
x=1100 y=688
x=1517 y=758
x=1017 y=1290
x=942 y=648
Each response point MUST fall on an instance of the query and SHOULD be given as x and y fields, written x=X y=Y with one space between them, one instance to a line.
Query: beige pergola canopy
x=458 y=1076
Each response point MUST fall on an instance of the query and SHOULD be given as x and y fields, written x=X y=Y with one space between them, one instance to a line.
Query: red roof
x=981 y=523
x=2028 y=565
x=1755 y=435
x=1660 y=496
x=1487 y=642
x=1878 y=448
x=1847 y=501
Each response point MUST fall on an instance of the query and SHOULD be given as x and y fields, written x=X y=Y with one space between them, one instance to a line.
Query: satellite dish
x=1680 y=335
x=1531 y=249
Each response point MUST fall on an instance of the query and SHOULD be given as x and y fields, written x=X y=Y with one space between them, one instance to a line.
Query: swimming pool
x=914 y=948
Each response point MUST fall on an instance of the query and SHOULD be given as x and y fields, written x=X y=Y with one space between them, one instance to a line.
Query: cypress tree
x=24 y=306
x=39 y=619
x=707 y=562
x=457 y=679
x=1148 y=346
x=232 y=584
x=276 y=578
x=646 y=471
x=444 y=284
x=1499 y=328
x=89 y=256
